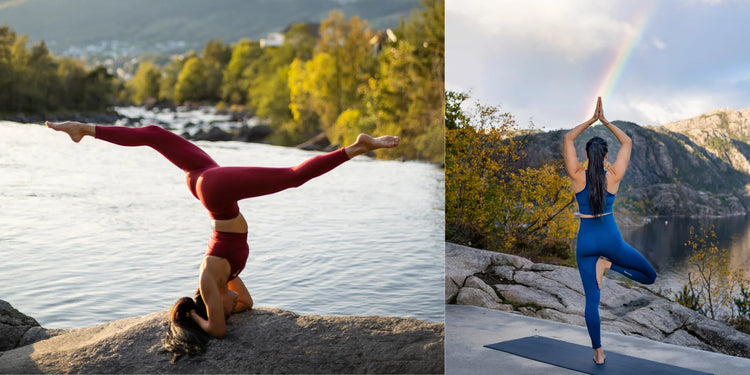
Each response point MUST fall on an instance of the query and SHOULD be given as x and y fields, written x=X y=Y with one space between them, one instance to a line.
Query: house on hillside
x=277 y=39
x=273 y=40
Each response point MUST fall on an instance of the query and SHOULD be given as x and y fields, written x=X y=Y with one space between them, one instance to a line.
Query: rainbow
x=622 y=54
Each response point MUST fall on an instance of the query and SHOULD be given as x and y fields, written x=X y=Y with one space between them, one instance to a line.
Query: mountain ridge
x=78 y=23
x=690 y=168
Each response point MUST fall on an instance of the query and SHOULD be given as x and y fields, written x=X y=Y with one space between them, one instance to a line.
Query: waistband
x=578 y=215
x=228 y=236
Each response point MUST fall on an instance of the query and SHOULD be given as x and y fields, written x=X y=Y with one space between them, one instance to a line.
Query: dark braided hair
x=185 y=336
x=596 y=149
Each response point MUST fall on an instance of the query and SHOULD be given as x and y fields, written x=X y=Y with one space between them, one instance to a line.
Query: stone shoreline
x=511 y=283
x=258 y=341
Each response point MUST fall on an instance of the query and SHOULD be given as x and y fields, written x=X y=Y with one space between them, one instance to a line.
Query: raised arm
x=572 y=166
x=617 y=171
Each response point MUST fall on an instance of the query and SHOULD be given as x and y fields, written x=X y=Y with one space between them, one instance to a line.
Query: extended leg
x=176 y=149
x=220 y=188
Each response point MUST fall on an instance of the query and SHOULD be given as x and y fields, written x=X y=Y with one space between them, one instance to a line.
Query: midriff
x=591 y=216
x=233 y=225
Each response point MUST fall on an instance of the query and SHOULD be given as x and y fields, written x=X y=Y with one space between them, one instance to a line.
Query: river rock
x=214 y=134
x=556 y=293
x=13 y=326
x=259 y=341
x=255 y=133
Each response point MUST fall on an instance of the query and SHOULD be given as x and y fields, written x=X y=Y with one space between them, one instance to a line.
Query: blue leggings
x=602 y=238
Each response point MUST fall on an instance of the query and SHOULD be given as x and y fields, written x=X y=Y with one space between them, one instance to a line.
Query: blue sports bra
x=582 y=197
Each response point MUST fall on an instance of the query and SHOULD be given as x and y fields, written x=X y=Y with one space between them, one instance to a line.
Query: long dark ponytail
x=596 y=149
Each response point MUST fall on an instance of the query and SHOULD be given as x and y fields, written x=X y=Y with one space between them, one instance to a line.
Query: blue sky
x=544 y=60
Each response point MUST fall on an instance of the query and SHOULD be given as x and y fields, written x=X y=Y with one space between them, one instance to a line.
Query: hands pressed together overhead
x=598 y=112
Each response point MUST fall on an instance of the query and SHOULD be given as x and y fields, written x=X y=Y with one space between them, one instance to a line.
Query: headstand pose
x=599 y=245
x=221 y=291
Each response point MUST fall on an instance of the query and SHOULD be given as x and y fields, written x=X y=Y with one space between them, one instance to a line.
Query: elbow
x=219 y=334
x=627 y=141
x=568 y=137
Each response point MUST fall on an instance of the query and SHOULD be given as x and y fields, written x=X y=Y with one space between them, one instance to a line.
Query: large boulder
x=502 y=282
x=258 y=341
x=18 y=329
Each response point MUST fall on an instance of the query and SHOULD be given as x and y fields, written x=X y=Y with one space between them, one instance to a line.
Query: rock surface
x=13 y=326
x=511 y=283
x=259 y=341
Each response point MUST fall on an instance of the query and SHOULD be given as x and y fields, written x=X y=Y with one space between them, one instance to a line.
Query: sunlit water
x=663 y=240
x=94 y=232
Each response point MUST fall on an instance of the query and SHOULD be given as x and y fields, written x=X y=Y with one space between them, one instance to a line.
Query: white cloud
x=577 y=29
x=658 y=43
x=659 y=110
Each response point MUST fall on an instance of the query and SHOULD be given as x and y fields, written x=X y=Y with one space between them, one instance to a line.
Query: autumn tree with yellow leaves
x=491 y=200
x=713 y=287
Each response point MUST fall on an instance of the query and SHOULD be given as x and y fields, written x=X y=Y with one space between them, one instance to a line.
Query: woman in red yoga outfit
x=221 y=291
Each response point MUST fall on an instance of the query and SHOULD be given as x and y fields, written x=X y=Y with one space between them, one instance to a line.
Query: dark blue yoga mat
x=579 y=358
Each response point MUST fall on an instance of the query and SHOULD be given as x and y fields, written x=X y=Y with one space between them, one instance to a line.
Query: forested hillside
x=146 y=23
x=329 y=80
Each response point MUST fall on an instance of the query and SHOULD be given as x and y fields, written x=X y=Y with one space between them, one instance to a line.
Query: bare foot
x=602 y=265
x=75 y=130
x=366 y=143
x=599 y=356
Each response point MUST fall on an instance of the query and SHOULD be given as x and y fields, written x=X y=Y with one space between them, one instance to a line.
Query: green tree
x=407 y=94
x=269 y=93
x=191 y=83
x=338 y=74
x=99 y=90
x=34 y=81
x=216 y=56
x=236 y=77
x=72 y=75
x=304 y=123
x=8 y=81
x=145 y=83
x=169 y=75
x=314 y=86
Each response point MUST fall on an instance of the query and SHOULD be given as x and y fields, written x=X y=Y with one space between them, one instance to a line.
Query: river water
x=93 y=232
x=662 y=242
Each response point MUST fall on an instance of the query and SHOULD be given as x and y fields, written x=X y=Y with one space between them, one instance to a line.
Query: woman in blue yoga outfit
x=599 y=246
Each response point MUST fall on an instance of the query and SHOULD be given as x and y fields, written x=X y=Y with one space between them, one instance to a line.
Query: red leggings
x=219 y=188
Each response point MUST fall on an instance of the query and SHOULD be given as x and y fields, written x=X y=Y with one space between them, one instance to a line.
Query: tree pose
x=221 y=292
x=600 y=245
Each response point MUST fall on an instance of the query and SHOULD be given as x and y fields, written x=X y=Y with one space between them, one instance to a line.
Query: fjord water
x=94 y=232
x=662 y=242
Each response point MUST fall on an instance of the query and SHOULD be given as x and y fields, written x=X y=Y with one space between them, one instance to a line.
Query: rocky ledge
x=259 y=341
x=512 y=283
